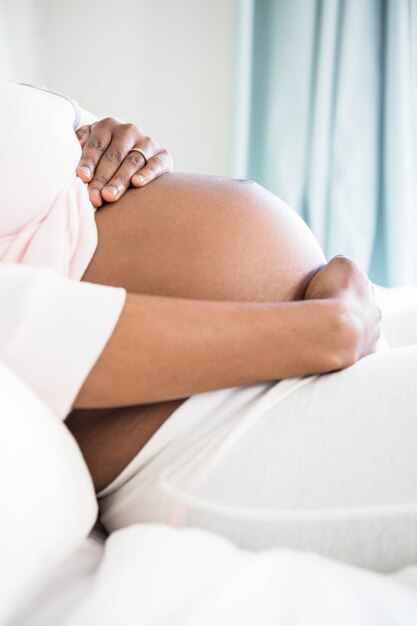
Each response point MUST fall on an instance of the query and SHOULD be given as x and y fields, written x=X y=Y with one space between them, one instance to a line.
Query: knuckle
x=83 y=130
x=109 y=121
x=121 y=180
x=163 y=155
x=129 y=127
x=95 y=143
x=150 y=171
x=99 y=180
x=146 y=143
x=160 y=159
x=114 y=155
x=136 y=159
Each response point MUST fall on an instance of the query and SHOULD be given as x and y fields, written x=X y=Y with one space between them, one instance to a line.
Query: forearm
x=165 y=348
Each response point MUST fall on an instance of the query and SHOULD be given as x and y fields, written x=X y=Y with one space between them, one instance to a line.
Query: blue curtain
x=333 y=126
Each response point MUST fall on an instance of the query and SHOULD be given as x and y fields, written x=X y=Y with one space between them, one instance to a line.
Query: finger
x=159 y=164
x=83 y=134
x=120 y=182
x=93 y=150
x=119 y=150
x=110 y=162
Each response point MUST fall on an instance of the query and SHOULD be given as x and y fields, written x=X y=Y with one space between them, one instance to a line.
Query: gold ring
x=140 y=152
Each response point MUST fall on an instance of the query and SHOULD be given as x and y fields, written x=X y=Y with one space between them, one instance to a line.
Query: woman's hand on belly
x=115 y=156
x=341 y=278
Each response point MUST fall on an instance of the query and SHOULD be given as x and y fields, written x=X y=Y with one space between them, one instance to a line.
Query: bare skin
x=203 y=237
x=199 y=238
x=110 y=438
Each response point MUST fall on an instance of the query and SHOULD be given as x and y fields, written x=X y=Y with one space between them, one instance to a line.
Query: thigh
x=326 y=464
x=110 y=438
x=204 y=237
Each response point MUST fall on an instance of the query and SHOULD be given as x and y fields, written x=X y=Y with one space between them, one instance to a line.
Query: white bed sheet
x=157 y=575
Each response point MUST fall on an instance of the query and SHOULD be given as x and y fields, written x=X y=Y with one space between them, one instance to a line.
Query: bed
x=57 y=568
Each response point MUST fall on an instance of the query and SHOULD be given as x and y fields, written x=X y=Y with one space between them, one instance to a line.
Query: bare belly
x=191 y=237
x=204 y=237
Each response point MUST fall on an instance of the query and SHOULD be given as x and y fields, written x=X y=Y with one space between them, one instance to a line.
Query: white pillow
x=47 y=500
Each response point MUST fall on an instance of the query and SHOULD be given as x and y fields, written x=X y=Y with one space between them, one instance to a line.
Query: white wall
x=167 y=65
x=22 y=27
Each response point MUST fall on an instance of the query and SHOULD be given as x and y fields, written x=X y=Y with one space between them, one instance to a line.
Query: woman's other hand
x=341 y=279
x=110 y=161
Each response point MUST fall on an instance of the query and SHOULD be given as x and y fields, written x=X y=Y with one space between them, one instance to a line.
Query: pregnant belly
x=192 y=237
x=204 y=237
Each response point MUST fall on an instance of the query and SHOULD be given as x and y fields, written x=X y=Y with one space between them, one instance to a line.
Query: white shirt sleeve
x=53 y=329
x=85 y=118
x=81 y=116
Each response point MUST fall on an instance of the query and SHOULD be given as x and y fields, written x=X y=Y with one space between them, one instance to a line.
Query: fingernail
x=113 y=190
x=95 y=197
x=83 y=169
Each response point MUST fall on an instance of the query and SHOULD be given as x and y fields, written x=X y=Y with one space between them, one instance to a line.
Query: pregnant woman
x=226 y=289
